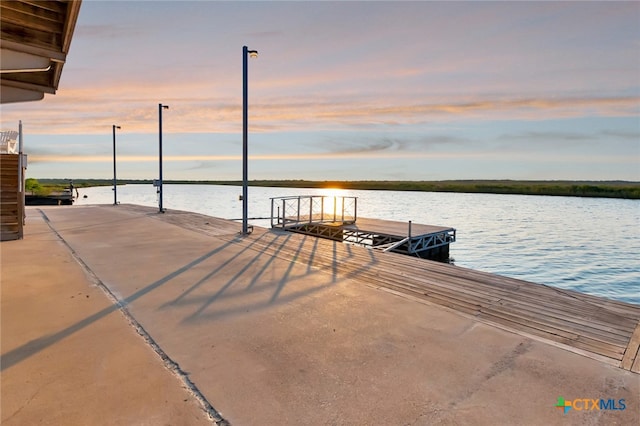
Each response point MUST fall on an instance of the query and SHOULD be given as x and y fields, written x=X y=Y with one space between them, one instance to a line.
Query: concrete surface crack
x=213 y=414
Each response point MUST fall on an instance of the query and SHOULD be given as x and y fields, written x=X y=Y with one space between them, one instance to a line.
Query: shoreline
x=562 y=188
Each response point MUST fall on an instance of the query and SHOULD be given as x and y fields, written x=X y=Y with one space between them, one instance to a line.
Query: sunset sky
x=345 y=90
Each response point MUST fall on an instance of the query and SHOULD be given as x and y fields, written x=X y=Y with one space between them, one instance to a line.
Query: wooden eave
x=34 y=32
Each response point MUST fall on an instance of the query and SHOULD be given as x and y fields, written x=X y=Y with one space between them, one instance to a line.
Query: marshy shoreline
x=565 y=188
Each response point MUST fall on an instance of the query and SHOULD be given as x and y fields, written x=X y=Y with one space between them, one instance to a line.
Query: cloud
x=488 y=155
x=633 y=136
x=548 y=136
x=394 y=146
x=318 y=114
x=84 y=113
x=257 y=157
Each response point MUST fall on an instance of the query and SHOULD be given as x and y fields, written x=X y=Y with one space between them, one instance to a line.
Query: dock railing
x=300 y=209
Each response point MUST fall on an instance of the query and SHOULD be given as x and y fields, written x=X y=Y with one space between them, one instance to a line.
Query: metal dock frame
x=414 y=245
x=306 y=215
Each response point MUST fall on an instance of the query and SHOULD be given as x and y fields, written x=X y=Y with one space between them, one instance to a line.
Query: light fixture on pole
x=245 y=152
x=115 y=188
x=160 y=108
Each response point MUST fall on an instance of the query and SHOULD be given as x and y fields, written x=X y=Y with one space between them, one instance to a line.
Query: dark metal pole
x=245 y=150
x=115 y=187
x=160 y=108
x=245 y=125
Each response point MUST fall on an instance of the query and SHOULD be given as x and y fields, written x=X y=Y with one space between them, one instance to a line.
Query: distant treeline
x=606 y=189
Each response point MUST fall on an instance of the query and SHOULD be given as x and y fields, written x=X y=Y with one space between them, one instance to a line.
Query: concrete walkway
x=69 y=356
x=266 y=340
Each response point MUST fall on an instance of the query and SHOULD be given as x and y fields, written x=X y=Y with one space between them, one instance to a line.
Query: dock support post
x=284 y=213
x=355 y=209
x=272 y=213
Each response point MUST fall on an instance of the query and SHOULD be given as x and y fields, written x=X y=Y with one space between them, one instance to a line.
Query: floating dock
x=57 y=199
x=336 y=218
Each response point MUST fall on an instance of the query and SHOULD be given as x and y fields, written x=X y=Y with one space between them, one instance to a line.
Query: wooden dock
x=592 y=326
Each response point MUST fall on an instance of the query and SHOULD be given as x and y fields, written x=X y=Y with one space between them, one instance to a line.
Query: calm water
x=587 y=244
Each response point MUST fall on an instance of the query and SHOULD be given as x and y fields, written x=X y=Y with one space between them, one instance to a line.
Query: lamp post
x=160 y=108
x=245 y=54
x=115 y=188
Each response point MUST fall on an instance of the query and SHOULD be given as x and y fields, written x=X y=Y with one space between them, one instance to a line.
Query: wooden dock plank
x=556 y=299
x=557 y=310
x=510 y=284
x=606 y=329
x=565 y=323
x=552 y=333
x=631 y=354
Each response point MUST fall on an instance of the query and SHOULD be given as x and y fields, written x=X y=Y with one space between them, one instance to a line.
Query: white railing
x=294 y=210
x=8 y=142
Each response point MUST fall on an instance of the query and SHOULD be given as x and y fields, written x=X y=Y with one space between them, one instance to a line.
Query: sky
x=344 y=91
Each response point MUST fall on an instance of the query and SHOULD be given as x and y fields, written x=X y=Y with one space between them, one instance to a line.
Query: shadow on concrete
x=179 y=300
x=287 y=273
x=317 y=258
x=266 y=253
x=321 y=270
x=25 y=351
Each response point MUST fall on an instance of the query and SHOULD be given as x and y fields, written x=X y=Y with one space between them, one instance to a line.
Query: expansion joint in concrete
x=121 y=305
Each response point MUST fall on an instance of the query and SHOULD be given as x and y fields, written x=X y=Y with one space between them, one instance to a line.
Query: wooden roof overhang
x=34 y=42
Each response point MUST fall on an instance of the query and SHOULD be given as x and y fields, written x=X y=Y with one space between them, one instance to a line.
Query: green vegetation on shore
x=44 y=187
x=604 y=189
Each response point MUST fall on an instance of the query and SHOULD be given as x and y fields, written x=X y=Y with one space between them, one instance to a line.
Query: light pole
x=115 y=190
x=160 y=108
x=245 y=54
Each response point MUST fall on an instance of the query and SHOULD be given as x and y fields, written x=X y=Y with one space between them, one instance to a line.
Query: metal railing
x=294 y=210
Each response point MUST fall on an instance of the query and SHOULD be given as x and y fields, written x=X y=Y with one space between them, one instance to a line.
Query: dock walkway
x=593 y=326
x=283 y=328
